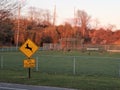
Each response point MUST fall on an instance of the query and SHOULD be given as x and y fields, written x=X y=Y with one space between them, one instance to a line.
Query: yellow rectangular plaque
x=30 y=63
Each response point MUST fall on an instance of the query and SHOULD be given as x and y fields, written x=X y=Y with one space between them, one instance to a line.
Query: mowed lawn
x=74 y=69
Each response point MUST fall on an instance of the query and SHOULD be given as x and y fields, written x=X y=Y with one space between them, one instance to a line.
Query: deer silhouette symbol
x=29 y=48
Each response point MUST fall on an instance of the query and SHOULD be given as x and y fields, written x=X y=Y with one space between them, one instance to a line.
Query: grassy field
x=93 y=71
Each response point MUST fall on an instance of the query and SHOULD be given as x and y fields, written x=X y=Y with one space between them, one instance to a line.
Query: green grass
x=94 y=64
x=62 y=62
x=94 y=71
x=82 y=82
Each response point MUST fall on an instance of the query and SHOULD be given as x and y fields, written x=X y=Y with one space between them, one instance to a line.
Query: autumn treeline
x=53 y=34
x=38 y=26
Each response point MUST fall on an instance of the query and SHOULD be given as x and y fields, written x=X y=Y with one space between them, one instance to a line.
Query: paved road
x=8 y=86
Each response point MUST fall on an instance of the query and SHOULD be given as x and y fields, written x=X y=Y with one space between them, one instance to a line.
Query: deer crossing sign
x=28 y=48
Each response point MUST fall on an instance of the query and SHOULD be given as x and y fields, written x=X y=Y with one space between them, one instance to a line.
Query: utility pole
x=75 y=19
x=54 y=15
x=18 y=28
x=75 y=29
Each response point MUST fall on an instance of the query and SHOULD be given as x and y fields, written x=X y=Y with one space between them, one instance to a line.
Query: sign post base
x=29 y=73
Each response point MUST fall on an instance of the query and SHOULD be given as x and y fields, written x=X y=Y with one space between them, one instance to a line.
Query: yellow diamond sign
x=29 y=48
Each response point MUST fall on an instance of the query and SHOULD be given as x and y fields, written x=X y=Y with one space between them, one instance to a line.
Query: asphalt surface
x=9 y=86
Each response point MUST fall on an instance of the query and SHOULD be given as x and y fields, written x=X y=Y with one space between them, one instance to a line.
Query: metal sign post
x=29 y=71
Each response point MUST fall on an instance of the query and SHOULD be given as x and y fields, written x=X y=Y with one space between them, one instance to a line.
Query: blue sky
x=106 y=11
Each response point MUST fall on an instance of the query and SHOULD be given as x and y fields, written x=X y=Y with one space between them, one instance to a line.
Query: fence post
x=37 y=65
x=1 y=60
x=119 y=71
x=74 y=66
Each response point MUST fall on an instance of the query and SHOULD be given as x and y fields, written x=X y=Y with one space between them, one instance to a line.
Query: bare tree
x=47 y=16
x=39 y=15
x=7 y=7
x=111 y=27
x=31 y=12
x=95 y=23
x=83 y=20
